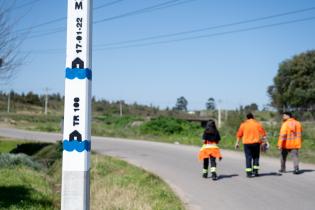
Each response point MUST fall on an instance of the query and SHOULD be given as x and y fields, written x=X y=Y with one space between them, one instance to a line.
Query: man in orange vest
x=290 y=140
x=253 y=135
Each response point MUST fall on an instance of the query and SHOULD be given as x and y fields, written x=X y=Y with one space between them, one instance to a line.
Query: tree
x=9 y=57
x=294 y=84
x=251 y=108
x=181 y=104
x=32 y=98
x=210 y=105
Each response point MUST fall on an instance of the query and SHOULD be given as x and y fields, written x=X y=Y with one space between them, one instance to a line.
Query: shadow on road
x=270 y=174
x=223 y=176
x=306 y=170
x=302 y=171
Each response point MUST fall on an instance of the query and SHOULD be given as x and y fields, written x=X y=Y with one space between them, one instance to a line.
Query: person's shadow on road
x=280 y=174
x=306 y=170
x=302 y=171
x=270 y=174
x=223 y=176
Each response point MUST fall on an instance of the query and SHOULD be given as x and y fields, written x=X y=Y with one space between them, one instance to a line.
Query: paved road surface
x=178 y=166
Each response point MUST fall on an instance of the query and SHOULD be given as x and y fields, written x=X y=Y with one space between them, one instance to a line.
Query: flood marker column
x=77 y=108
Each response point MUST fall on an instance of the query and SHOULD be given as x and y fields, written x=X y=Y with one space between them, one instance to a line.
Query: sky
x=154 y=51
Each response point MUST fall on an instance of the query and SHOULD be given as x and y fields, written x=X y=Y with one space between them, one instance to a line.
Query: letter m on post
x=78 y=5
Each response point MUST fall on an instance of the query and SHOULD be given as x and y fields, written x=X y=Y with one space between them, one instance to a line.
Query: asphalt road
x=179 y=167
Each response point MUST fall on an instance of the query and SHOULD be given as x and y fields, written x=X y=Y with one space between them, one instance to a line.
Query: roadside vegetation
x=292 y=89
x=28 y=181
x=30 y=177
x=168 y=129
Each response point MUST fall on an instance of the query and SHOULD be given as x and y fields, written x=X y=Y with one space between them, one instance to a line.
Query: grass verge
x=114 y=183
x=118 y=185
x=7 y=145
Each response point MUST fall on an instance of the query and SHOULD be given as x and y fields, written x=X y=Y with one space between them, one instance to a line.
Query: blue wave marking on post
x=79 y=146
x=78 y=73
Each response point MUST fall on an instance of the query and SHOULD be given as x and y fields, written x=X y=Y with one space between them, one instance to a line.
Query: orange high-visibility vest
x=209 y=149
x=290 y=136
x=251 y=132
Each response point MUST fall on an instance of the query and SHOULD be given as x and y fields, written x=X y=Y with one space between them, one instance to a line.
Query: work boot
x=282 y=170
x=249 y=174
x=214 y=176
x=255 y=172
x=296 y=171
x=205 y=175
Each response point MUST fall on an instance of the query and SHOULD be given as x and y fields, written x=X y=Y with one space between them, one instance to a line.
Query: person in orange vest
x=253 y=135
x=290 y=140
x=210 y=150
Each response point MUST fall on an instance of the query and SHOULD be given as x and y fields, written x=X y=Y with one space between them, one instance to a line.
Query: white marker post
x=77 y=111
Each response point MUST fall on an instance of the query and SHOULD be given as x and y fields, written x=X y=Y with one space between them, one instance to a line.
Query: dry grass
x=116 y=185
x=116 y=198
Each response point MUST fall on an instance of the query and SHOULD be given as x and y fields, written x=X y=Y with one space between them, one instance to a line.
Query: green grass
x=24 y=181
x=118 y=185
x=37 y=122
x=114 y=183
x=24 y=188
x=7 y=145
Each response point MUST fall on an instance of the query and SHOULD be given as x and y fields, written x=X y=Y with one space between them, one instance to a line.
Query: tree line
x=210 y=105
x=35 y=102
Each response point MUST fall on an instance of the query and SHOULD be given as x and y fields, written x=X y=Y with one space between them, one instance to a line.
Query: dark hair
x=250 y=116
x=211 y=132
x=211 y=127
x=288 y=113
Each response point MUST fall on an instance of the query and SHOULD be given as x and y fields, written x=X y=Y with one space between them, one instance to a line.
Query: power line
x=193 y=37
x=56 y=30
x=189 y=31
x=26 y=4
x=211 y=27
x=41 y=24
x=64 y=17
x=211 y=35
x=170 y=3
x=163 y=5
x=11 y=8
x=107 y=4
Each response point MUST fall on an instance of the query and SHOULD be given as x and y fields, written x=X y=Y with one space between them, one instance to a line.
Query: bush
x=118 y=121
x=162 y=125
x=168 y=126
x=49 y=154
x=11 y=160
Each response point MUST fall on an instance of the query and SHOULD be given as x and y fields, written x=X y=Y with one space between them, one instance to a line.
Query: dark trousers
x=295 y=158
x=206 y=163
x=252 y=153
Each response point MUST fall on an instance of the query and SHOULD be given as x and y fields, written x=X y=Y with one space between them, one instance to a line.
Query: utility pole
x=120 y=108
x=46 y=100
x=219 y=117
x=9 y=101
x=75 y=193
x=219 y=114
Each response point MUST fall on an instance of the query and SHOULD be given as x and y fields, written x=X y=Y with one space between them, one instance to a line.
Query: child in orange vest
x=210 y=150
